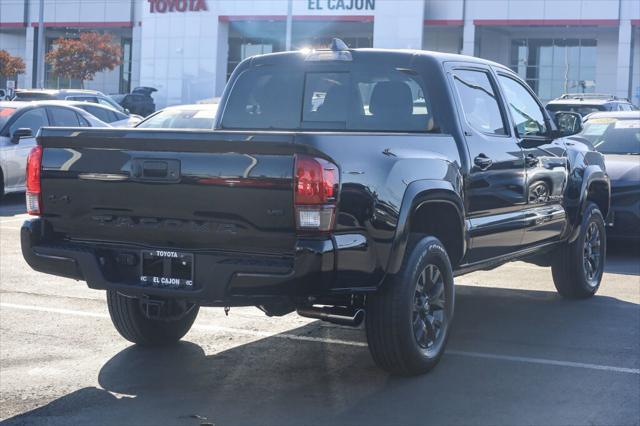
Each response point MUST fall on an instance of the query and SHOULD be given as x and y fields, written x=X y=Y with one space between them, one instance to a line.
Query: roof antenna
x=337 y=44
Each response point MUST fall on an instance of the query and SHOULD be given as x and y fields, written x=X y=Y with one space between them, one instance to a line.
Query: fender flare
x=592 y=174
x=416 y=194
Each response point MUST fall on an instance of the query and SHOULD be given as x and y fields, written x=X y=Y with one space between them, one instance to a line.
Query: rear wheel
x=150 y=324
x=578 y=267
x=408 y=321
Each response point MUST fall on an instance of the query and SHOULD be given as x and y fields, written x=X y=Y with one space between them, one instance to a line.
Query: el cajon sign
x=341 y=4
x=164 y=6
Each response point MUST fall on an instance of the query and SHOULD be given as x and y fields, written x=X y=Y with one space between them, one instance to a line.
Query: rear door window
x=479 y=102
x=62 y=117
x=100 y=113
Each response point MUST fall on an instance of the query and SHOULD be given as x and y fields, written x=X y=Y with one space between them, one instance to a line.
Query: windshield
x=613 y=136
x=5 y=115
x=583 y=110
x=181 y=119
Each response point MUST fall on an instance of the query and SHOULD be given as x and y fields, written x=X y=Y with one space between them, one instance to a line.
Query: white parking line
x=287 y=336
x=15 y=219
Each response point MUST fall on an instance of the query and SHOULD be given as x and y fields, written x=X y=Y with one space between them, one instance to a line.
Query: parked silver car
x=103 y=113
x=19 y=124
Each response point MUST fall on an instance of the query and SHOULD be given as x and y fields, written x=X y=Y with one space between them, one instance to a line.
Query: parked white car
x=19 y=124
x=198 y=116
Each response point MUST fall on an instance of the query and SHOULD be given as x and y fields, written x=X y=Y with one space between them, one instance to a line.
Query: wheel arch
x=596 y=188
x=424 y=201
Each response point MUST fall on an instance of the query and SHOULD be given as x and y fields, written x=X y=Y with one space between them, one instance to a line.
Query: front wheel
x=162 y=323
x=408 y=321
x=578 y=266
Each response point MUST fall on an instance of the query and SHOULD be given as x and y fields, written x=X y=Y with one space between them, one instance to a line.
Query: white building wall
x=398 y=24
x=635 y=67
x=13 y=41
x=442 y=39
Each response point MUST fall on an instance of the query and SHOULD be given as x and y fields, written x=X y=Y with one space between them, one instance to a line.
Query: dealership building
x=188 y=48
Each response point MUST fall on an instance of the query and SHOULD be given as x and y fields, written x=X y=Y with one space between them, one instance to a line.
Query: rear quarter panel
x=375 y=172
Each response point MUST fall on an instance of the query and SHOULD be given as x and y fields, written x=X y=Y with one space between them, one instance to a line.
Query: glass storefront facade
x=556 y=66
x=249 y=38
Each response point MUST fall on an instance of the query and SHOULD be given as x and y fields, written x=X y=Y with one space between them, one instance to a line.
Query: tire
x=133 y=324
x=394 y=313
x=577 y=267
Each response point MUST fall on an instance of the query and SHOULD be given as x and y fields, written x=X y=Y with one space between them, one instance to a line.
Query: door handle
x=483 y=162
x=531 y=160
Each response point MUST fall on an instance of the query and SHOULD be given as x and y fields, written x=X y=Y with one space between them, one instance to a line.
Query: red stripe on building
x=635 y=22
x=546 y=22
x=123 y=24
x=12 y=25
x=337 y=18
x=444 y=22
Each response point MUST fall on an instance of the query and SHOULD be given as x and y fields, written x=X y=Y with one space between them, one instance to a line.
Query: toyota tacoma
x=339 y=183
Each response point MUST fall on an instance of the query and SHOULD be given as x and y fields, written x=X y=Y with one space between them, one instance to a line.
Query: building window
x=249 y=38
x=555 y=66
x=125 y=68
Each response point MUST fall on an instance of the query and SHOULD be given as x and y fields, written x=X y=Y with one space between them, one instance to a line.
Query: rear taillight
x=34 y=162
x=316 y=192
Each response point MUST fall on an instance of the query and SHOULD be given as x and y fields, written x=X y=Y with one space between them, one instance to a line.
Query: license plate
x=166 y=268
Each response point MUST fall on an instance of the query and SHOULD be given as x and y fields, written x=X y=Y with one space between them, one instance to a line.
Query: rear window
x=375 y=99
x=33 y=96
x=583 y=110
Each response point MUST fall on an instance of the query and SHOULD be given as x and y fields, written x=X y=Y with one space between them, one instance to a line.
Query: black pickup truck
x=336 y=183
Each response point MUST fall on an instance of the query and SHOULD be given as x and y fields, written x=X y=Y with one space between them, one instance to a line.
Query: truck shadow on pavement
x=623 y=257
x=282 y=381
x=12 y=204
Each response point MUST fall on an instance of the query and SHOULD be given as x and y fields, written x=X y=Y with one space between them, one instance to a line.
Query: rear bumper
x=219 y=277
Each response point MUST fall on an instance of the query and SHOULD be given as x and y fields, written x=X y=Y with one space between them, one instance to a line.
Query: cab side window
x=525 y=110
x=33 y=119
x=479 y=103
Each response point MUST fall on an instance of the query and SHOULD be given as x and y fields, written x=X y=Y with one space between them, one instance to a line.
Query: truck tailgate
x=170 y=189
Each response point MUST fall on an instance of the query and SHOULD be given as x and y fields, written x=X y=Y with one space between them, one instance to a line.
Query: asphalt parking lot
x=518 y=355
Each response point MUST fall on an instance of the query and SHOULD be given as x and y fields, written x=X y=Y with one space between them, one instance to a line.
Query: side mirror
x=569 y=123
x=21 y=133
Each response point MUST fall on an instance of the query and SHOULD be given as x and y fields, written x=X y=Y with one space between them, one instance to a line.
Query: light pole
x=287 y=43
x=40 y=50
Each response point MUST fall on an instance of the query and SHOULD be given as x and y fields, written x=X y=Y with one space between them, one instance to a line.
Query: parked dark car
x=617 y=136
x=586 y=103
x=93 y=96
x=139 y=101
x=415 y=167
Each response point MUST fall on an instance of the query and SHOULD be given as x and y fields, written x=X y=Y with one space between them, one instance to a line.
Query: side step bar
x=337 y=315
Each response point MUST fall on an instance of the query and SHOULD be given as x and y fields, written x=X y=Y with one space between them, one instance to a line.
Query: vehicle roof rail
x=588 y=96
